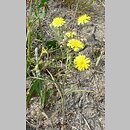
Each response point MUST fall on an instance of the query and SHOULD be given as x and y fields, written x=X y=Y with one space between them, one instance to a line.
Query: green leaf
x=41 y=15
x=45 y=96
x=30 y=94
x=42 y=3
x=51 y=44
x=36 y=87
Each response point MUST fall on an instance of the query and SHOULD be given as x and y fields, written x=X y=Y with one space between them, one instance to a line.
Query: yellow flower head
x=81 y=62
x=57 y=22
x=44 y=50
x=83 y=19
x=70 y=34
x=75 y=44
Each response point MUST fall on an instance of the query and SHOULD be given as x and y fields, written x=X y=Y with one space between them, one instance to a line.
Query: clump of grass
x=37 y=12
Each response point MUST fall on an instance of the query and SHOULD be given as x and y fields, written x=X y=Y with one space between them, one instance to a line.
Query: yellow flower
x=57 y=22
x=70 y=34
x=81 y=62
x=44 y=51
x=75 y=44
x=83 y=19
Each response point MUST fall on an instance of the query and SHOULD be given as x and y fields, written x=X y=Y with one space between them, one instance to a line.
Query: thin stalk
x=40 y=26
x=37 y=63
x=59 y=91
x=29 y=46
x=36 y=2
x=30 y=8
x=68 y=60
x=59 y=39
x=58 y=35
x=76 y=8
x=29 y=38
x=61 y=95
x=35 y=78
x=39 y=21
x=98 y=60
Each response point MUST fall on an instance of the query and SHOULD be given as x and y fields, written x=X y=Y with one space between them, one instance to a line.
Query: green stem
x=36 y=2
x=40 y=26
x=98 y=60
x=67 y=60
x=30 y=8
x=58 y=35
x=61 y=95
x=29 y=46
x=59 y=91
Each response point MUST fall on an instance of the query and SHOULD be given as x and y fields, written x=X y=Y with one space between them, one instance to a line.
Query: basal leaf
x=51 y=44
x=36 y=87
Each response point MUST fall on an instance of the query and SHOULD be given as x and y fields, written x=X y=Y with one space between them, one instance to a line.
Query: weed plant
x=49 y=67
